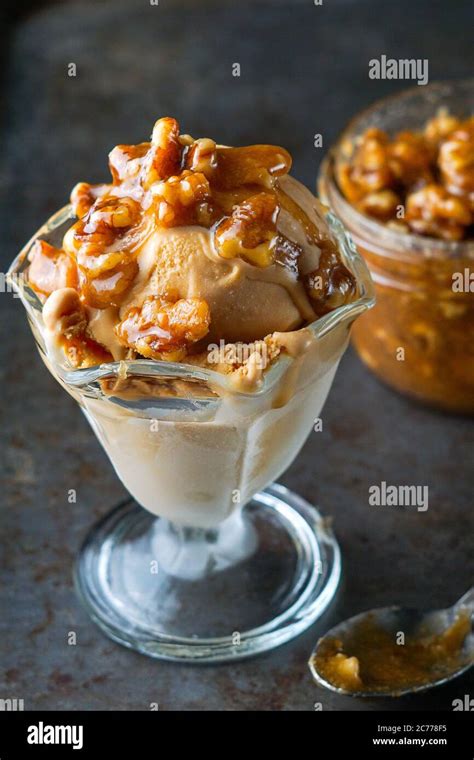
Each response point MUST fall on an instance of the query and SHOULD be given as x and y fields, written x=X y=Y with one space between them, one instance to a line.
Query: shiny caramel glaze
x=175 y=181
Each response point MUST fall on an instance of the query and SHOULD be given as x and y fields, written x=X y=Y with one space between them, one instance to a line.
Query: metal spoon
x=410 y=621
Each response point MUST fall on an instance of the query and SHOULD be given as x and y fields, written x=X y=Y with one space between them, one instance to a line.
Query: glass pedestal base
x=260 y=579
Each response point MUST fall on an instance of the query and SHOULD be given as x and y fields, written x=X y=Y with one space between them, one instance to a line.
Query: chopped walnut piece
x=434 y=211
x=250 y=232
x=125 y=161
x=331 y=284
x=106 y=270
x=410 y=158
x=382 y=204
x=50 y=269
x=456 y=160
x=162 y=329
x=440 y=126
x=83 y=196
x=164 y=157
x=110 y=287
x=178 y=196
x=83 y=351
x=65 y=315
x=116 y=213
x=345 y=179
x=369 y=170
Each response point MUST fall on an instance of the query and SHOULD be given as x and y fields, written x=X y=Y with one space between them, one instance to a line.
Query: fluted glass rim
x=81 y=378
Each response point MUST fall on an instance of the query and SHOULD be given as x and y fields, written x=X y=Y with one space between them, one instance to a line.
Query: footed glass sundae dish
x=197 y=307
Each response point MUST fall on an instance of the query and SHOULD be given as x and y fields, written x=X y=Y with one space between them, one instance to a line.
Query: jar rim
x=443 y=87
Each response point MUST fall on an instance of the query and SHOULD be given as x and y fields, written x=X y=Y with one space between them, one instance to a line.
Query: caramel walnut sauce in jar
x=401 y=178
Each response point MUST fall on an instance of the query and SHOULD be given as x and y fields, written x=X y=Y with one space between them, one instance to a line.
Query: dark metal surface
x=303 y=71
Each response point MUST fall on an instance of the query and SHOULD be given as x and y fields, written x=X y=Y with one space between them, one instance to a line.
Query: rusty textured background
x=304 y=71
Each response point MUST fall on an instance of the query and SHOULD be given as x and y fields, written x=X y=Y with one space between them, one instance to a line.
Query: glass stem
x=194 y=553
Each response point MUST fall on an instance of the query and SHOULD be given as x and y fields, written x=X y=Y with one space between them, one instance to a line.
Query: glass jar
x=419 y=338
